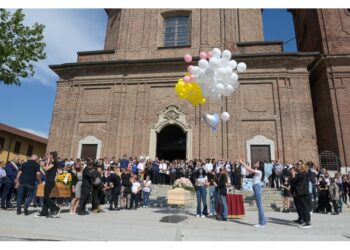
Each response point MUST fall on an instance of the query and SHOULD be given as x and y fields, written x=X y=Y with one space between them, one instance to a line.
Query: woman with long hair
x=221 y=194
x=257 y=191
x=346 y=187
x=201 y=183
x=76 y=187
x=323 y=197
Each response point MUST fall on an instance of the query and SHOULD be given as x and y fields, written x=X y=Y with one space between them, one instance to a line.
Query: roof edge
x=22 y=133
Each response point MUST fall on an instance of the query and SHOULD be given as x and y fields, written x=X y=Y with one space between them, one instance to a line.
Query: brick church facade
x=290 y=106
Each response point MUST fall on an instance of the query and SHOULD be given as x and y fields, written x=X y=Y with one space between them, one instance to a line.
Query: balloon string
x=214 y=135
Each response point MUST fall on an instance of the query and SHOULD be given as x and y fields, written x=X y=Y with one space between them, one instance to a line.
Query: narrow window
x=30 y=150
x=2 y=143
x=17 y=147
x=176 y=31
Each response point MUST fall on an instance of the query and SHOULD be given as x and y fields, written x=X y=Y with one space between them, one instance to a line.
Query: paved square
x=145 y=224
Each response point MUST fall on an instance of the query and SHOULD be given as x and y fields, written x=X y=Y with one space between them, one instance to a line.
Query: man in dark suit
x=86 y=186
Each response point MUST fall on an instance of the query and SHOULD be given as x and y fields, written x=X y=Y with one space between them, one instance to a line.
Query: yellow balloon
x=190 y=91
x=182 y=95
x=180 y=84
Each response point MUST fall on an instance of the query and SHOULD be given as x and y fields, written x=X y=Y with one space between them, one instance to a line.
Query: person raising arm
x=257 y=191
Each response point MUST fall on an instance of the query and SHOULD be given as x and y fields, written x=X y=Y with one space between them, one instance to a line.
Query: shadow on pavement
x=173 y=218
x=241 y=223
x=280 y=221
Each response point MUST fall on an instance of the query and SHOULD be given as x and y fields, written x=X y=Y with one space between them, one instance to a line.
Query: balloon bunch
x=214 y=77
x=190 y=91
x=216 y=73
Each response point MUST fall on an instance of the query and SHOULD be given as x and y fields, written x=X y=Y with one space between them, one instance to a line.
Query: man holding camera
x=51 y=170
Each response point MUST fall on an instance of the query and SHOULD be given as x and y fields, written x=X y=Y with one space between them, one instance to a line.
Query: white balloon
x=236 y=85
x=241 y=67
x=228 y=71
x=211 y=81
x=209 y=72
x=226 y=54
x=195 y=70
x=229 y=89
x=225 y=116
x=220 y=72
x=232 y=64
x=232 y=79
x=195 y=78
x=214 y=63
x=216 y=53
x=203 y=78
x=220 y=88
x=223 y=63
x=203 y=63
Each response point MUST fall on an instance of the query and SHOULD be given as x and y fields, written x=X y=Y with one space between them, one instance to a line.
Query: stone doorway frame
x=260 y=140
x=171 y=115
x=90 y=140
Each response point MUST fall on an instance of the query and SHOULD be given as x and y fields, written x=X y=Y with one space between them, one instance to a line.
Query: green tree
x=20 y=47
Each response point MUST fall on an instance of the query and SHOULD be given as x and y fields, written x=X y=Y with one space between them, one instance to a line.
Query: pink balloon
x=192 y=78
x=188 y=58
x=189 y=68
x=187 y=79
x=210 y=54
x=203 y=55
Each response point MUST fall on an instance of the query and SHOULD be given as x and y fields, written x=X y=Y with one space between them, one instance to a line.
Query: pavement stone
x=145 y=224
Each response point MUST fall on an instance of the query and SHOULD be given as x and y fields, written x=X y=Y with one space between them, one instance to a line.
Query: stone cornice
x=177 y=65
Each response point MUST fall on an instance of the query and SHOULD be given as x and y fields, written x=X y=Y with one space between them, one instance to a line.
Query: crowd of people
x=127 y=183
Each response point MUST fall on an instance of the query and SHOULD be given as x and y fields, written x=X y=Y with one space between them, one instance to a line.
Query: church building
x=289 y=106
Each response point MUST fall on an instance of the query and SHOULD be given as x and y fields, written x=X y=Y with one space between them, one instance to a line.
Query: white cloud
x=32 y=131
x=66 y=32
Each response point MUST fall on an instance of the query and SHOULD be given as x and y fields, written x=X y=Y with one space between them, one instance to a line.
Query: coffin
x=60 y=190
x=179 y=196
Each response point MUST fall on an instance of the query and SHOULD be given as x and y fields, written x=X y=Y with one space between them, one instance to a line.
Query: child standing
x=146 y=191
x=135 y=189
x=286 y=195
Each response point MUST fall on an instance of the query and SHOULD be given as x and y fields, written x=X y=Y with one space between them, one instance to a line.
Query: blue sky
x=68 y=31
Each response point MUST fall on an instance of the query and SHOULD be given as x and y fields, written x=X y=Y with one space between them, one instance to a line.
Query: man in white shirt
x=219 y=165
x=208 y=166
x=141 y=167
x=162 y=169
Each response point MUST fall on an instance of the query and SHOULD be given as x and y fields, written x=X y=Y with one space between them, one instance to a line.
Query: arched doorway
x=171 y=143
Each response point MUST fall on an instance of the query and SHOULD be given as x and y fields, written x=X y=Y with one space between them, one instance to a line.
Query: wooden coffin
x=59 y=190
x=179 y=196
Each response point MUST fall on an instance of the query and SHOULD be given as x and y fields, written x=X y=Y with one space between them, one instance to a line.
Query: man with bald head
x=25 y=182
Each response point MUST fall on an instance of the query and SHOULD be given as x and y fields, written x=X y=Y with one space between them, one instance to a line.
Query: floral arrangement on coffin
x=65 y=178
x=185 y=184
